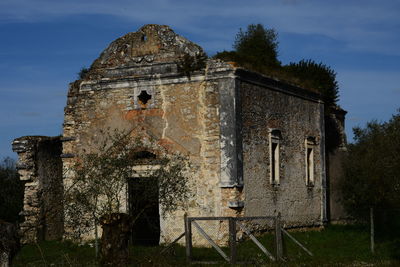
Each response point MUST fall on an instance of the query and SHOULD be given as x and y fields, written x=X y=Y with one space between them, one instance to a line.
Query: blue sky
x=44 y=43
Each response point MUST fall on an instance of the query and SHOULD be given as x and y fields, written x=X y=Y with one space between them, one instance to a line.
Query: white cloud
x=364 y=26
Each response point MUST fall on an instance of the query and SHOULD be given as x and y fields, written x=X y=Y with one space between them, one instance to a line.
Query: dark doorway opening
x=144 y=204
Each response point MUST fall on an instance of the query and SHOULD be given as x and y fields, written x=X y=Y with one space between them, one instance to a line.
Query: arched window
x=310 y=143
x=275 y=137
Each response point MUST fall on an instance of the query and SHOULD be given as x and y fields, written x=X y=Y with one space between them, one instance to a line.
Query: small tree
x=97 y=192
x=258 y=46
x=255 y=49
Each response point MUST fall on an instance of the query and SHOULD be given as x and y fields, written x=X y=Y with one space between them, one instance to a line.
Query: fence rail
x=243 y=225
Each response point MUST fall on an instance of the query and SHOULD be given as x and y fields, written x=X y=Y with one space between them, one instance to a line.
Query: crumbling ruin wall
x=267 y=106
x=40 y=167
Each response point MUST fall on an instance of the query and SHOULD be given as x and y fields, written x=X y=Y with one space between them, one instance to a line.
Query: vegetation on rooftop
x=257 y=49
x=188 y=64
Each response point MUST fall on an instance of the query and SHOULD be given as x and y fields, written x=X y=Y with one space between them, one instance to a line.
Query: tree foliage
x=98 y=187
x=372 y=168
x=11 y=191
x=257 y=46
x=317 y=76
x=255 y=49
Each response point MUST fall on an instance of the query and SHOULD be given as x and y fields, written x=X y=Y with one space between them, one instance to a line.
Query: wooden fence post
x=278 y=237
x=188 y=238
x=232 y=239
x=371 y=217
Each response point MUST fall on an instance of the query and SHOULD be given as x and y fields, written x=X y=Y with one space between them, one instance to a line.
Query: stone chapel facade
x=257 y=145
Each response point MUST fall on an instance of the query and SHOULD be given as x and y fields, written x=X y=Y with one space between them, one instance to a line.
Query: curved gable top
x=150 y=44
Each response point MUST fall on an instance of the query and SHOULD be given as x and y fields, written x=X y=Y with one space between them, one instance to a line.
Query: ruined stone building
x=257 y=145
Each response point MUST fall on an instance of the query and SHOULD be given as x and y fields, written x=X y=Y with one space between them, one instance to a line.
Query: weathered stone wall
x=40 y=167
x=182 y=115
x=269 y=105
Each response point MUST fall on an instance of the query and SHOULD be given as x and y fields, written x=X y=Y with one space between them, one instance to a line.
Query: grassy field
x=336 y=245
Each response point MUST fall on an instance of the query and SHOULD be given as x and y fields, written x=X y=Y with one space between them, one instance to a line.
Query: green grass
x=54 y=253
x=336 y=245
